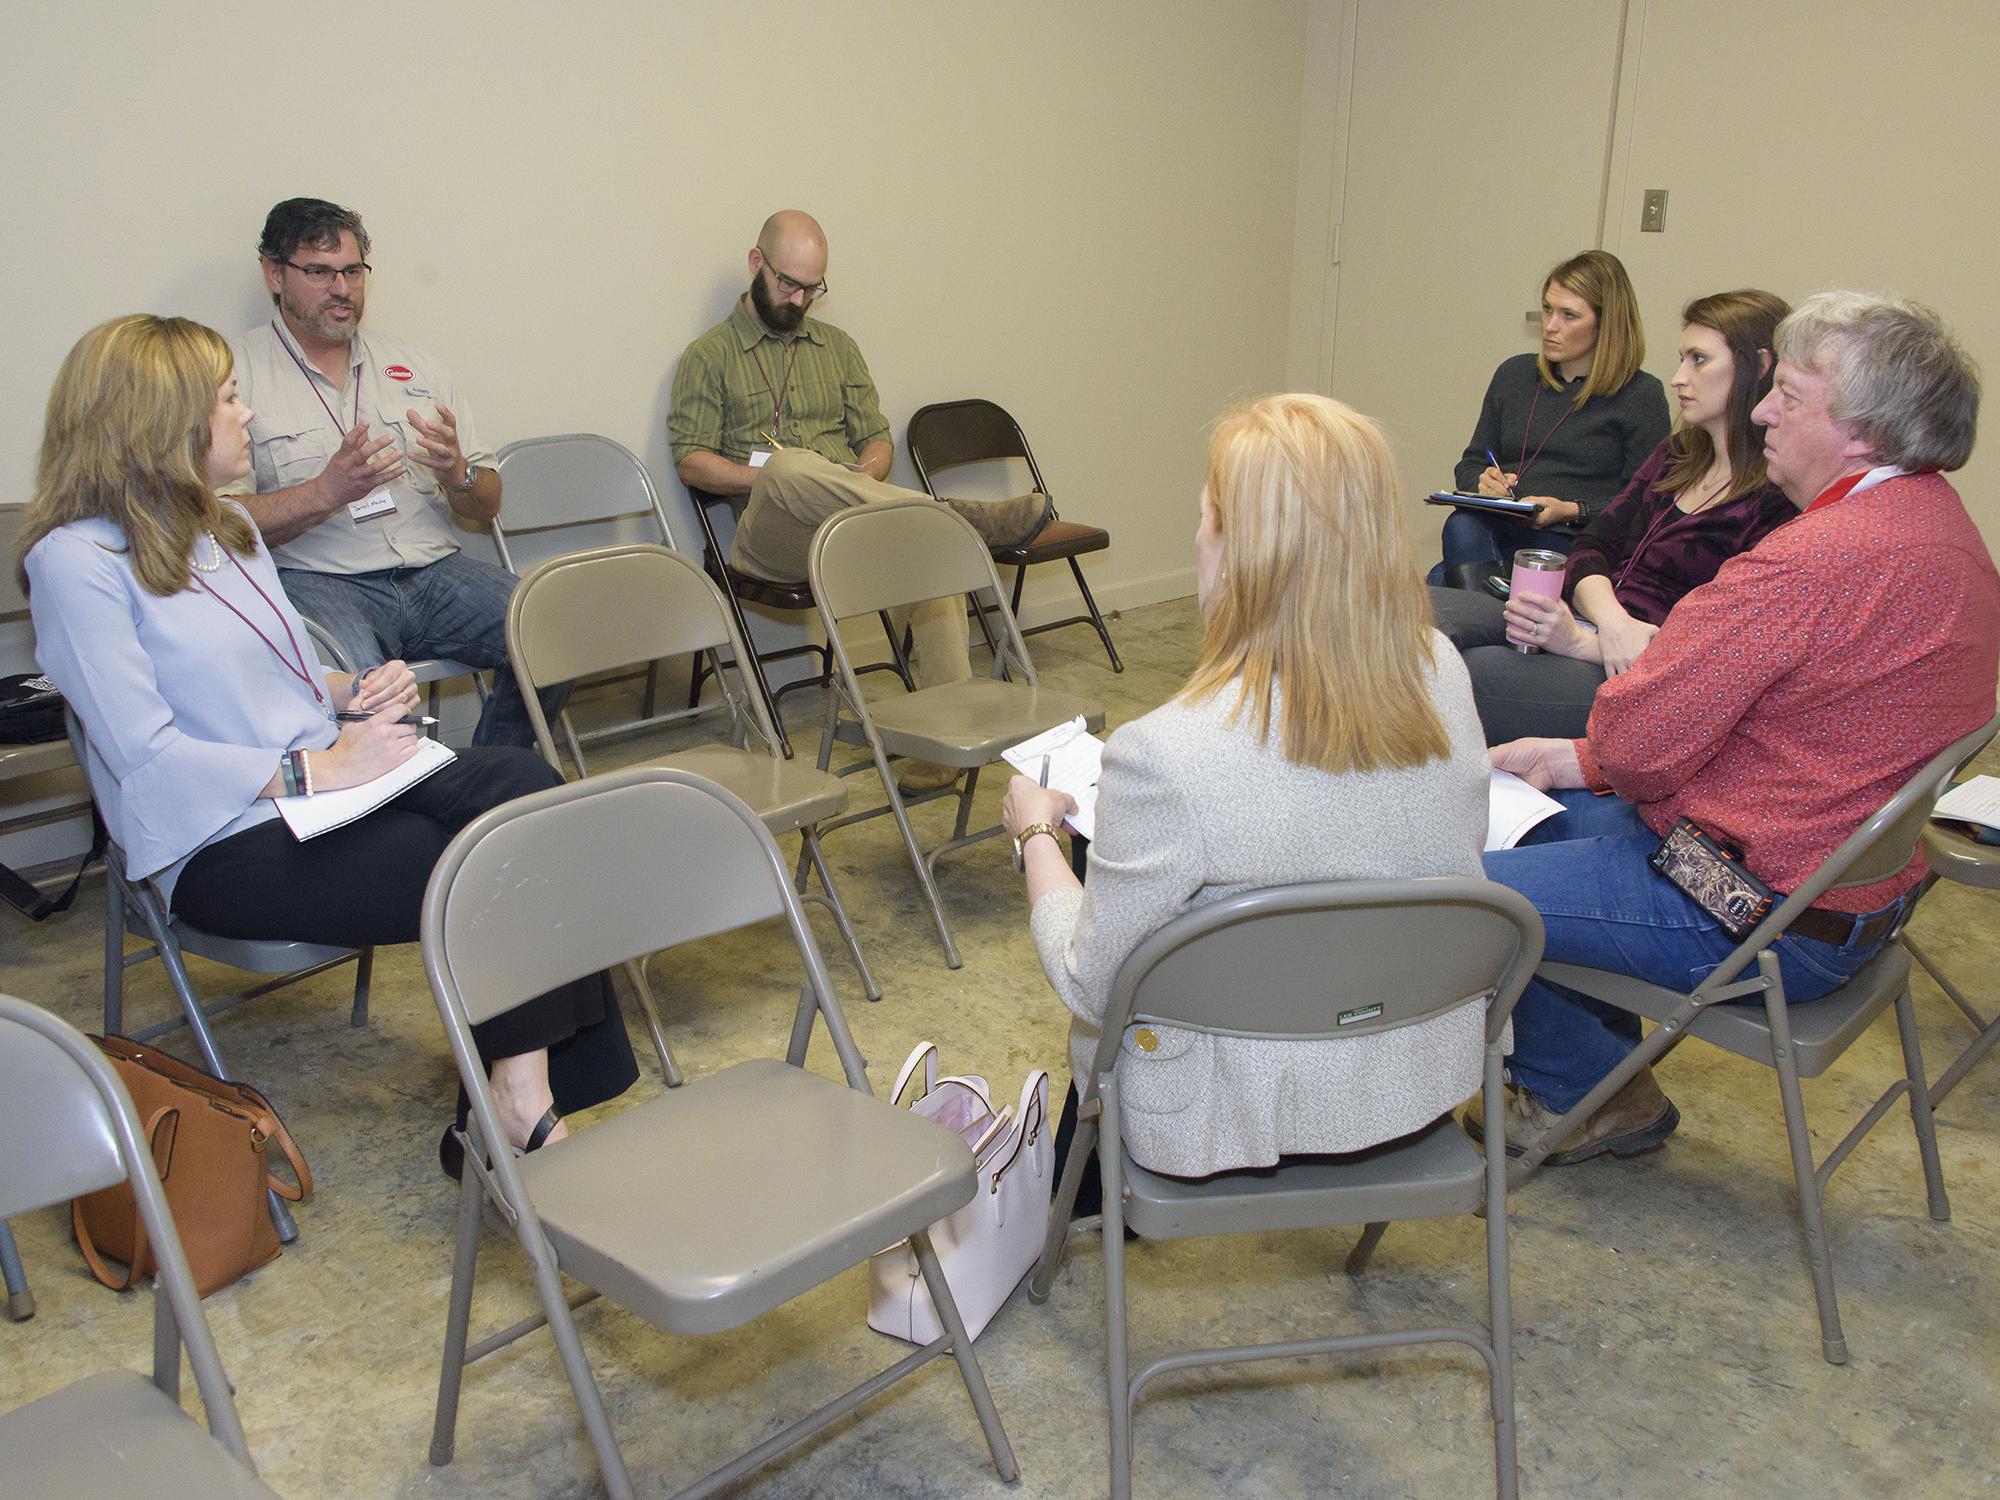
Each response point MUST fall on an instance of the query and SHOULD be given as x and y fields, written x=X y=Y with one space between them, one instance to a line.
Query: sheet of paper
x=1974 y=801
x=1513 y=807
x=1076 y=756
x=308 y=817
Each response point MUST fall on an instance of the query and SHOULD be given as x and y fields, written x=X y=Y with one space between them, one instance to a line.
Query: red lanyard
x=1839 y=490
x=296 y=664
x=331 y=416
x=778 y=399
x=1527 y=459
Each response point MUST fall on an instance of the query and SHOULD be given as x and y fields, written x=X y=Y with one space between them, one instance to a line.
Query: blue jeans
x=1470 y=536
x=1602 y=905
x=455 y=607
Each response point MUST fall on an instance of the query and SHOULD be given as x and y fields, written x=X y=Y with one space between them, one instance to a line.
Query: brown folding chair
x=947 y=434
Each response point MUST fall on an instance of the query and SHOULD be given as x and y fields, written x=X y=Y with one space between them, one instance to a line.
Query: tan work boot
x=1005 y=523
x=918 y=776
x=1636 y=1119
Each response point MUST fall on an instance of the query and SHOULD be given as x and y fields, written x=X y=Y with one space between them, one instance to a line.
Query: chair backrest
x=949 y=433
x=330 y=652
x=589 y=612
x=876 y=557
x=1330 y=959
x=550 y=887
x=573 y=491
x=70 y=1129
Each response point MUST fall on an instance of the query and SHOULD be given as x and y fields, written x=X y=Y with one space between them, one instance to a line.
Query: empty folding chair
x=70 y=1129
x=1255 y=964
x=1751 y=1018
x=948 y=434
x=1958 y=857
x=707 y=1206
x=882 y=557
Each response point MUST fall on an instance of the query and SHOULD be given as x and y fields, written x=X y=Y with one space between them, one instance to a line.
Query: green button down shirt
x=726 y=391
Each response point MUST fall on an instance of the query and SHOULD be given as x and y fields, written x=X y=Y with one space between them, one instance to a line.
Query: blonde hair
x=1599 y=278
x=127 y=436
x=1318 y=611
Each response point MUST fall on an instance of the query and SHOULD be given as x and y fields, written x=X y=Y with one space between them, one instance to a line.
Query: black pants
x=363 y=885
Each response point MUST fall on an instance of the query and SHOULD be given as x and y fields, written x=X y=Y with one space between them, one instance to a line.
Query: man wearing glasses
x=780 y=407
x=363 y=451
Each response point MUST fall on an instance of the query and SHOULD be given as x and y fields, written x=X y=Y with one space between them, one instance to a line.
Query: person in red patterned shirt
x=1778 y=707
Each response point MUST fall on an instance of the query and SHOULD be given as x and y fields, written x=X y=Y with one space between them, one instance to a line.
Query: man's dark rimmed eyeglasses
x=319 y=275
x=787 y=286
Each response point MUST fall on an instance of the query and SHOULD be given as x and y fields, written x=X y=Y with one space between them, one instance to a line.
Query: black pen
x=358 y=716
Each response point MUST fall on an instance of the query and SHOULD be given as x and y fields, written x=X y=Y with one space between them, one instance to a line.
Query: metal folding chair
x=1255 y=965
x=1957 y=856
x=127 y=900
x=947 y=434
x=707 y=1206
x=1797 y=1041
x=71 y=1129
x=881 y=557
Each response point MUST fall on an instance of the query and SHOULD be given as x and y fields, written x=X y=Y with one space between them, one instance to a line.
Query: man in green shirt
x=780 y=407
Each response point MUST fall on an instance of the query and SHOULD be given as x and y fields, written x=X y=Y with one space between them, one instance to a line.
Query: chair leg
x=583 y=1385
x=1832 y=1342
x=114 y=954
x=1500 y=1302
x=811 y=851
x=1357 y=1258
x=670 y=1068
x=458 y=1319
x=1117 y=1380
x=1060 y=1208
x=896 y=653
x=968 y=1363
x=20 y=1301
x=1988 y=1031
x=1920 y=1108
x=951 y=958
x=1096 y=619
x=364 y=975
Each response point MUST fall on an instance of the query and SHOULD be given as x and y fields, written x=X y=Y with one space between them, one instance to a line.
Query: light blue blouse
x=187 y=711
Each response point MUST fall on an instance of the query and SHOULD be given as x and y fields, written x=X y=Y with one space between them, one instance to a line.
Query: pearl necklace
x=206 y=567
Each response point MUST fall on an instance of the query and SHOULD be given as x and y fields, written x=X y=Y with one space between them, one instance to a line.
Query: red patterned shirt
x=1785 y=701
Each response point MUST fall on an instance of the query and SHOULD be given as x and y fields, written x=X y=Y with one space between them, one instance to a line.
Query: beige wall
x=1804 y=144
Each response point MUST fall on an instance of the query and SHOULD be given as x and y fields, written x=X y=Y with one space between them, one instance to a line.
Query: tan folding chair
x=602 y=610
x=1800 y=1041
x=1957 y=856
x=71 y=1129
x=1255 y=965
x=876 y=558
x=703 y=1208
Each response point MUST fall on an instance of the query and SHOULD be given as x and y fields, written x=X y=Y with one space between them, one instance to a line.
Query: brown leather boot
x=1005 y=523
x=1636 y=1119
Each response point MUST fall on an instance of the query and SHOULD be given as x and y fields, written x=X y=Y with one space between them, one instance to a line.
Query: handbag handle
x=165 y=1121
x=992 y=1131
x=925 y=1053
x=1033 y=1115
x=293 y=1156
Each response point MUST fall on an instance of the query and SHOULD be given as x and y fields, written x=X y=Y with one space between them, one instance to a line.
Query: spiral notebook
x=309 y=817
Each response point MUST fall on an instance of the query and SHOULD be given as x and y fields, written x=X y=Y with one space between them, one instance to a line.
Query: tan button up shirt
x=294 y=434
x=728 y=385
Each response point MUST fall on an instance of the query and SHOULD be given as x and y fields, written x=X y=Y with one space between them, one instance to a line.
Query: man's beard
x=308 y=317
x=779 y=317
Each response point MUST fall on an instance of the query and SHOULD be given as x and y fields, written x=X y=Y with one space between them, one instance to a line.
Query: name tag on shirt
x=377 y=503
x=759 y=457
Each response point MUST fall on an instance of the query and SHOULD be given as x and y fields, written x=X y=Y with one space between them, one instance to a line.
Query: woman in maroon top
x=1698 y=500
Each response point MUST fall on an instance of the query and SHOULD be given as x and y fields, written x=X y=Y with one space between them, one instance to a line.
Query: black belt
x=1841 y=928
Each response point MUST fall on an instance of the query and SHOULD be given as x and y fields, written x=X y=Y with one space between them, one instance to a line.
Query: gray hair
x=1894 y=373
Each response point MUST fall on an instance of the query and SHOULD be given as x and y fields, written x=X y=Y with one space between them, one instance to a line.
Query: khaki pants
x=797 y=490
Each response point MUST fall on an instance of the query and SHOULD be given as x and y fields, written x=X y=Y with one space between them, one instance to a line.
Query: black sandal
x=451 y=1149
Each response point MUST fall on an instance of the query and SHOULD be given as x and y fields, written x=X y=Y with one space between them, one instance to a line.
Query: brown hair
x=126 y=437
x=1748 y=321
x=1599 y=278
x=1318 y=612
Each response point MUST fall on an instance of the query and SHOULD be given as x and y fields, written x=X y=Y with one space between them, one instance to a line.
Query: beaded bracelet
x=305 y=770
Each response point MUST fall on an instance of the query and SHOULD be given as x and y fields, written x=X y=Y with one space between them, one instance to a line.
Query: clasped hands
x=379 y=743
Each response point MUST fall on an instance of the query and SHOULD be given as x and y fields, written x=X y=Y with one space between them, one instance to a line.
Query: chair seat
x=785 y=794
x=767 y=591
x=116 y=1434
x=1821 y=1029
x=797 y=1179
x=1056 y=540
x=969 y=723
x=257 y=955
x=23 y=759
x=1432 y=1173
x=1955 y=855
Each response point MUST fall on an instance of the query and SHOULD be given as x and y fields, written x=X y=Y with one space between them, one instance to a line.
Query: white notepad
x=1974 y=801
x=1076 y=757
x=308 y=817
x=1512 y=808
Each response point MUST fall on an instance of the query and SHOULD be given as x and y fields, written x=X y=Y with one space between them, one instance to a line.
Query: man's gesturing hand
x=359 y=467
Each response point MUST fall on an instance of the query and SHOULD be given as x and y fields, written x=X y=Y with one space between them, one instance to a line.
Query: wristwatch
x=471 y=477
x=1021 y=841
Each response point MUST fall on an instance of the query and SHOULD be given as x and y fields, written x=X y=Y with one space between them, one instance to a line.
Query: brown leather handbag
x=210 y=1140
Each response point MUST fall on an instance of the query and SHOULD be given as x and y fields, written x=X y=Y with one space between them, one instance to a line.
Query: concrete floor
x=1666 y=1339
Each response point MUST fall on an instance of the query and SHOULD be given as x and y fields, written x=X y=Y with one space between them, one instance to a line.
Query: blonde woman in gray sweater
x=1327 y=733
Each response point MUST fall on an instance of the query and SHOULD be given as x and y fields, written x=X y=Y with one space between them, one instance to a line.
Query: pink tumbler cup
x=1536 y=571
